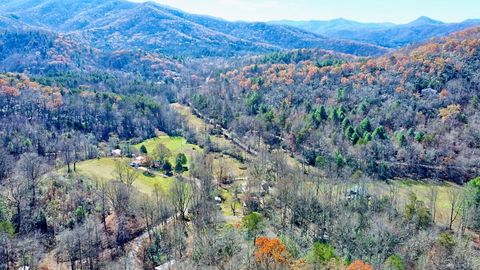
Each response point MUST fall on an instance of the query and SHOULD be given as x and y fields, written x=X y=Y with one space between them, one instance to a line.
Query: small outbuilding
x=117 y=153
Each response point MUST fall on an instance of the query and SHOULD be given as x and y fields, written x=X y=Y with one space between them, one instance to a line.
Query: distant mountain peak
x=423 y=20
x=341 y=20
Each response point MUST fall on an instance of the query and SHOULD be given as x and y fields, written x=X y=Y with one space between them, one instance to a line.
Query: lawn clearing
x=193 y=121
x=228 y=165
x=104 y=168
x=176 y=145
x=422 y=191
x=199 y=125
x=227 y=209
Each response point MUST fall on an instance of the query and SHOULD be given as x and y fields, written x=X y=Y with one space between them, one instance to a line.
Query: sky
x=396 y=11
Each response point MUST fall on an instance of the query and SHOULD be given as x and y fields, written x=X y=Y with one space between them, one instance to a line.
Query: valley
x=231 y=207
x=136 y=135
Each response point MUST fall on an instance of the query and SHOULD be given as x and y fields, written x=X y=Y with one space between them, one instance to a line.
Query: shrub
x=394 y=262
x=419 y=136
x=446 y=240
x=7 y=228
x=143 y=149
x=322 y=253
x=252 y=222
x=400 y=138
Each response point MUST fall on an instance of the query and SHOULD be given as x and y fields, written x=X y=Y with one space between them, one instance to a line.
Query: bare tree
x=81 y=246
x=17 y=198
x=67 y=151
x=124 y=173
x=454 y=200
x=31 y=167
x=148 y=214
x=119 y=196
x=163 y=205
x=433 y=196
x=203 y=206
x=236 y=199
x=102 y=194
x=220 y=172
x=30 y=249
x=467 y=207
x=182 y=195
x=285 y=191
x=78 y=153
x=6 y=165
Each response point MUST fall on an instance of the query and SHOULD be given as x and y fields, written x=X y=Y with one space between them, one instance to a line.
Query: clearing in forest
x=104 y=168
x=423 y=192
x=176 y=145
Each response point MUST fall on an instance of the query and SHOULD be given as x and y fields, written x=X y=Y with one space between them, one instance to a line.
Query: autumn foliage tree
x=450 y=112
x=271 y=253
x=359 y=265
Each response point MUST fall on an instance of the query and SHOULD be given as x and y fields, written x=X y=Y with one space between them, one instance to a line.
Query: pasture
x=104 y=168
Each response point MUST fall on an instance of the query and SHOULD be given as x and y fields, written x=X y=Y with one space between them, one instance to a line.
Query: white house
x=117 y=153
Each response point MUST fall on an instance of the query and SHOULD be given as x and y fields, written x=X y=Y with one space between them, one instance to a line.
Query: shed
x=117 y=153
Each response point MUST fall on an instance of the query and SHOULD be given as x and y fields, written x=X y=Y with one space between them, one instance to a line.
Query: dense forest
x=244 y=146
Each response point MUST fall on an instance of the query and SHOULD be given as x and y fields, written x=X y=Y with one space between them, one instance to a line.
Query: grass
x=422 y=190
x=192 y=120
x=231 y=166
x=103 y=168
x=176 y=145
x=226 y=207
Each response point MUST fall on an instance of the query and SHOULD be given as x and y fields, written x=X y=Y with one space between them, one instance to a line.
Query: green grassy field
x=176 y=145
x=104 y=168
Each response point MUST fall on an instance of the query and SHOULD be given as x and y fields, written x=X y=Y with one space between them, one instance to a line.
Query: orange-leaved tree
x=359 y=265
x=271 y=252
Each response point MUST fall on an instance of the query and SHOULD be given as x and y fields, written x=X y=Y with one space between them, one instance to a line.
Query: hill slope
x=382 y=34
x=119 y=24
x=331 y=27
x=411 y=113
x=42 y=52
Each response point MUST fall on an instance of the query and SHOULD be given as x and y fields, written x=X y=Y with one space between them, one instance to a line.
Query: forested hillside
x=120 y=25
x=45 y=52
x=413 y=112
x=383 y=34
